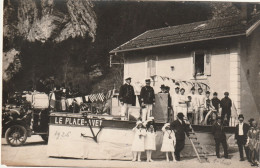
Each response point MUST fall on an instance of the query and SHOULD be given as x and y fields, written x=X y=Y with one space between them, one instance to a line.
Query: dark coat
x=218 y=131
x=127 y=94
x=180 y=129
x=245 y=130
x=226 y=105
x=147 y=95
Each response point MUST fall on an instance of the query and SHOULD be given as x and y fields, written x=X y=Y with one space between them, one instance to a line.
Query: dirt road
x=34 y=153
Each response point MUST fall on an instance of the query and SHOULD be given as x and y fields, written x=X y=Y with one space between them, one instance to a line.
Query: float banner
x=61 y=120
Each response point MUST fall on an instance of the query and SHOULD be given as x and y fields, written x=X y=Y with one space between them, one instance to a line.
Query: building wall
x=250 y=75
x=219 y=80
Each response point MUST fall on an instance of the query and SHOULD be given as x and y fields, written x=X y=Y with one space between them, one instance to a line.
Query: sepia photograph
x=130 y=84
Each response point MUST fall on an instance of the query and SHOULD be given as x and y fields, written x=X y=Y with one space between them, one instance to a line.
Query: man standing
x=216 y=102
x=175 y=100
x=194 y=105
x=220 y=137
x=226 y=105
x=126 y=97
x=241 y=137
x=147 y=100
x=201 y=105
x=180 y=128
x=183 y=102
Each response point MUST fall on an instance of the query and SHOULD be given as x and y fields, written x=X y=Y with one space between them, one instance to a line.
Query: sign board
x=160 y=110
x=76 y=121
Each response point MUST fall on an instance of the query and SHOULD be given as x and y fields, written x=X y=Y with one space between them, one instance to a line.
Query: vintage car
x=20 y=122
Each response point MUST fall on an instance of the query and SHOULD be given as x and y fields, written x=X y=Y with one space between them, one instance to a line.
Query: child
x=169 y=141
x=138 y=143
x=150 y=140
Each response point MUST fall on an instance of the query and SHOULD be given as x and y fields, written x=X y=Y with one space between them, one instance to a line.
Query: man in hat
x=194 y=105
x=241 y=137
x=175 y=101
x=182 y=102
x=220 y=137
x=226 y=105
x=180 y=128
x=147 y=100
x=163 y=89
x=201 y=98
x=126 y=97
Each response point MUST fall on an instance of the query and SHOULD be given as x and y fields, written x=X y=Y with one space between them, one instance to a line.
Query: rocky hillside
x=69 y=40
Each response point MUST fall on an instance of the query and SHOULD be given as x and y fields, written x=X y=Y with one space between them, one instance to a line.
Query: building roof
x=197 y=31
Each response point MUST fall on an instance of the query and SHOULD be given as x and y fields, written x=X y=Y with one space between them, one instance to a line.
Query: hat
x=192 y=88
x=163 y=86
x=182 y=89
x=200 y=88
x=180 y=115
x=148 y=80
x=240 y=116
x=177 y=87
x=139 y=122
x=127 y=77
x=250 y=120
x=207 y=92
x=226 y=93
x=215 y=94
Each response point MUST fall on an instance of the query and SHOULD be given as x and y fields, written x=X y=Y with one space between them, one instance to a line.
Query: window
x=201 y=63
x=151 y=66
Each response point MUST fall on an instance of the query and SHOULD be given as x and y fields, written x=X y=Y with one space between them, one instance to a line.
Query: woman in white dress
x=149 y=143
x=138 y=143
x=169 y=141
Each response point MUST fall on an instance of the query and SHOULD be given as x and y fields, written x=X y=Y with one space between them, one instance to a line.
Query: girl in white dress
x=169 y=141
x=149 y=143
x=138 y=143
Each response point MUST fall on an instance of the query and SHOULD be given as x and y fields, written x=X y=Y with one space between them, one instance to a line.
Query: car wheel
x=16 y=135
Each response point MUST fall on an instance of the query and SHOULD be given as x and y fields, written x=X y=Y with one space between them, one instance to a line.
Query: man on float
x=175 y=102
x=126 y=97
x=194 y=105
x=201 y=105
x=182 y=102
x=147 y=100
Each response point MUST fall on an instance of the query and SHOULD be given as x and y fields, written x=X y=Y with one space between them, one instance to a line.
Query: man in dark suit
x=226 y=104
x=147 y=100
x=180 y=128
x=220 y=137
x=126 y=97
x=241 y=136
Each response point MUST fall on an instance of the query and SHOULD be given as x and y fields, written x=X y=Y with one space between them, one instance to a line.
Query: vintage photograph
x=130 y=84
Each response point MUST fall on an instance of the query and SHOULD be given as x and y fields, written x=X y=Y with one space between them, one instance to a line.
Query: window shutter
x=148 y=68
x=153 y=68
x=207 y=63
x=193 y=64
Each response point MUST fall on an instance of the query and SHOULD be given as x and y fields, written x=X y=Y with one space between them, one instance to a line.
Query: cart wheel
x=45 y=137
x=16 y=135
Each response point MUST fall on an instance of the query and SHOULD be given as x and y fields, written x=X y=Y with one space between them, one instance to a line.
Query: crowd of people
x=186 y=109
x=197 y=108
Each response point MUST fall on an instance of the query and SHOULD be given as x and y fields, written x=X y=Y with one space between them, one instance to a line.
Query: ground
x=34 y=153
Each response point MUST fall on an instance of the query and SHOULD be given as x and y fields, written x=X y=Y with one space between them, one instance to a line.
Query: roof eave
x=169 y=44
